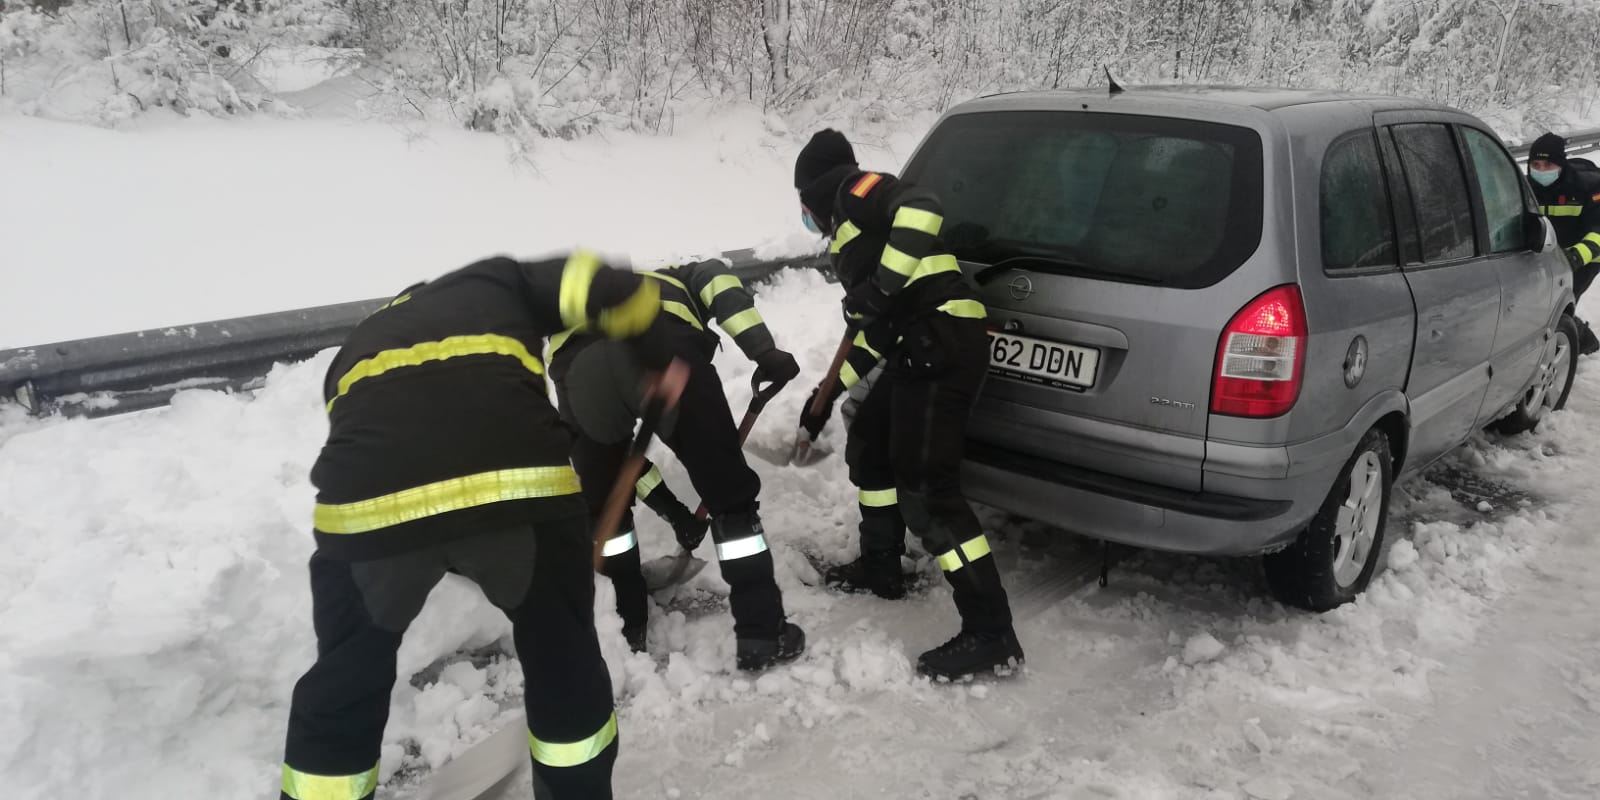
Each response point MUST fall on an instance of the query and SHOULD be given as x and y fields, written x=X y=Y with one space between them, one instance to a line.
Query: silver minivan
x=1225 y=321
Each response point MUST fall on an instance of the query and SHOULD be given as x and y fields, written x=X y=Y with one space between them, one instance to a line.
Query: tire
x=1550 y=387
x=1335 y=557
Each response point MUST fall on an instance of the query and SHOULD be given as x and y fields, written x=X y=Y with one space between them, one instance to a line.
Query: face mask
x=810 y=222
x=1544 y=178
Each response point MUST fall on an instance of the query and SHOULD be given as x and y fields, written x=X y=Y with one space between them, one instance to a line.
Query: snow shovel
x=662 y=395
x=680 y=567
x=803 y=454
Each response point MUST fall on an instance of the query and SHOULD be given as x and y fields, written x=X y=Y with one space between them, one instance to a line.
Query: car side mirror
x=1533 y=231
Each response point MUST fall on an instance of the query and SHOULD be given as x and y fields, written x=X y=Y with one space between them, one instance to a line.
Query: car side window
x=1501 y=188
x=1432 y=168
x=1357 y=227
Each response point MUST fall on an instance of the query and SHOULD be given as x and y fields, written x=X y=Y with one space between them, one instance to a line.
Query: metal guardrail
x=136 y=371
x=1579 y=142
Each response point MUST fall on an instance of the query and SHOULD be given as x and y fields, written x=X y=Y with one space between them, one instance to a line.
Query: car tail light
x=1261 y=357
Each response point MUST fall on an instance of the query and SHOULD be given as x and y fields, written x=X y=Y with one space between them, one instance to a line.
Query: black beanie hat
x=827 y=149
x=1549 y=147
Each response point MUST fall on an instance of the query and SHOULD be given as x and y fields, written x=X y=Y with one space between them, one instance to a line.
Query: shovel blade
x=668 y=571
x=807 y=453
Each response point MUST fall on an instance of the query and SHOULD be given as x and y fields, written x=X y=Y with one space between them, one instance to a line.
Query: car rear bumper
x=1141 y=514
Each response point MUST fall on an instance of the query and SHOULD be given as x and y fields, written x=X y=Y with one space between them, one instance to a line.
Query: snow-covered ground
x=154 y=611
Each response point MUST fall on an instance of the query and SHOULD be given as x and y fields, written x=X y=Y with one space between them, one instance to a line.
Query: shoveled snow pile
x=156 y=615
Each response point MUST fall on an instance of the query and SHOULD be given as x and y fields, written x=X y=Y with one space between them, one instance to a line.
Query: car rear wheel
x=1551 y=386
x=1335 y=557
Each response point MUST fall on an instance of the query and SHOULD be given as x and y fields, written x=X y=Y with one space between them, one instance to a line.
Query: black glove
x=813 y=423
x=689 y=530
x=776 y=366
x=1574 y=257
x=865 y=304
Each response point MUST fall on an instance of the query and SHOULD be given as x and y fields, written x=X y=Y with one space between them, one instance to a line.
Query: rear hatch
x=1093 y=238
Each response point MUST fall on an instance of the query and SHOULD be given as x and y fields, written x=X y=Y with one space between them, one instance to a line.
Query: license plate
x=1024 y=358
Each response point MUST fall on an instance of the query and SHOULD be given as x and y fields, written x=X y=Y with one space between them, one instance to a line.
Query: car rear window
x=1121 y=197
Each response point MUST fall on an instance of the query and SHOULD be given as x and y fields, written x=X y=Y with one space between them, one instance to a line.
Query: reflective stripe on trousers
x=619 y=544
x=741 y=548
x=573 y=754
x=305 y=786
x=969 y=551
x=878 y=498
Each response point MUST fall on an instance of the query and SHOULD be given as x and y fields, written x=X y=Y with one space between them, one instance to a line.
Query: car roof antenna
x=1114 y=88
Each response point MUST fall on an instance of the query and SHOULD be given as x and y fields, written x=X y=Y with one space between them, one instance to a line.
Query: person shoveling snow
x=598 y=388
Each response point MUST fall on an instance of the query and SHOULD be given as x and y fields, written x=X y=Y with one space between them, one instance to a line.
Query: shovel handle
x=803 y=439
x=633 y=467
x=828 y=380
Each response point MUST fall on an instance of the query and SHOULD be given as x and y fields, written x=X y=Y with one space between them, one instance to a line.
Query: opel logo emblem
x=1021 y=288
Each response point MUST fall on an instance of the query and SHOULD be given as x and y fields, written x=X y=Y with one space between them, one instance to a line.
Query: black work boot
x=1588 y=343
x=758 y=654
x=972 y=653
x=746 y=564
x=878 y=573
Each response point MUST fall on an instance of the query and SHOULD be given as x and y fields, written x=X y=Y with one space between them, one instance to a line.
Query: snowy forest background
x=568 y=67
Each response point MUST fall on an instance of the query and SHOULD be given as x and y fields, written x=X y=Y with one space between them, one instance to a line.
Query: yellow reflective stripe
x=742 y=321
x=861 y=342
x=633 y=315
x=576 y=278
x=424 y=352
x=718 y=285
x=898 y=262
x=847 y=231
x=305 y=786
x=1562 y=211
x=664 y=278
x=682 y=312
x=1584 y=252
x=975 y=548
x=1593 y=239
x=879 y=498
x=396 y=301
x=847 y=375
x=918 y=220
x=933 y=265
x=560 y=339
x=965 y=309
x=648 y=482
x=572 y=754
x=453 y=494
x=972 y=549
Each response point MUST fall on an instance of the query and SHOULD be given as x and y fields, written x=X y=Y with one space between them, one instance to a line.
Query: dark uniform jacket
x=440 y=422
x=887 y=231
x=1573 y=205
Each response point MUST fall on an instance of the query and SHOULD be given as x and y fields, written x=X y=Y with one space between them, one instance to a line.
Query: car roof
x=1210 y=97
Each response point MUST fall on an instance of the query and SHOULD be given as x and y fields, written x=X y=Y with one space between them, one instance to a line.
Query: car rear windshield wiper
x=1065 y=266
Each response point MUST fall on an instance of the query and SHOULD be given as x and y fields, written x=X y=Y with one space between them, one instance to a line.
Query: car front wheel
x=1335 y=557
x=1551 y=386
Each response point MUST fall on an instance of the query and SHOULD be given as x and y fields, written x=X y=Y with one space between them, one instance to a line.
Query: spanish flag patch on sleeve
x=1595 y=198
x=865 y=185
